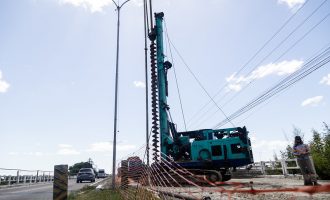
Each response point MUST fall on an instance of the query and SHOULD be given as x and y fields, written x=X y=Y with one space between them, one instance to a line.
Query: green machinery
x=206 y=151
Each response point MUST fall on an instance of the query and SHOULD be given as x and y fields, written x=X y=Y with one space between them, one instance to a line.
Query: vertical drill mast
x=163 y=118
x=205 y=151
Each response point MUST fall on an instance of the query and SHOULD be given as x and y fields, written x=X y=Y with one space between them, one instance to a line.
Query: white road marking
x=31 y=189
x=96 y=182
x=99 y=187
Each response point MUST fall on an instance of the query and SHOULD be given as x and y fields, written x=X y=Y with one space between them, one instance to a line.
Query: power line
x=290 y=48
x=199 y=83
x=276 y=87
x=314 y=64
x=248 y=62
x=277 y=95
x=176 y=80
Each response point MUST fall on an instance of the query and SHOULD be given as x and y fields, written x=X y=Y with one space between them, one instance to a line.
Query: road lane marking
x=23 y=186
x=96 y=182
x=31 y=189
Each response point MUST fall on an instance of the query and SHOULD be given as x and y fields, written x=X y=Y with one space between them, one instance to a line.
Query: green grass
x=96 y=195
x=89 y=193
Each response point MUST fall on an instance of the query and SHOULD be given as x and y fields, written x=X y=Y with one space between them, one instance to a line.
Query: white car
x=101 y=173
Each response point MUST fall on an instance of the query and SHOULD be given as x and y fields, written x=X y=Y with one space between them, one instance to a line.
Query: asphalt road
x=40 y=191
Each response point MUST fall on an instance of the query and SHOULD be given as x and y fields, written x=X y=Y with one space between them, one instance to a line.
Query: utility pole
x=118 y=7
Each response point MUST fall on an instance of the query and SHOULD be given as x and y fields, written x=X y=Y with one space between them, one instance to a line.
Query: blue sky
x=57 y=64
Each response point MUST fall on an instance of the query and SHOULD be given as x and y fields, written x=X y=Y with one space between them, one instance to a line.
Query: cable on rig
x=154 y=97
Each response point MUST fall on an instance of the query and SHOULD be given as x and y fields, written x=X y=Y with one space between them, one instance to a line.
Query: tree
x=320 y=151
x=275 y=156
x=288 y=153
x=297 y=132
x=73 y=170
x=326 y=140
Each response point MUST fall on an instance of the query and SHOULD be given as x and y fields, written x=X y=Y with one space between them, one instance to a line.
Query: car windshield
x=101 y=171
x=85 y=171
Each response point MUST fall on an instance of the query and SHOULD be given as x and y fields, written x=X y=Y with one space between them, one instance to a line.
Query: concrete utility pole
x=118 y=6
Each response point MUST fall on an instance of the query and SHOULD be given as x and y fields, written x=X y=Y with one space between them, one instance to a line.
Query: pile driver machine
x=203 y=152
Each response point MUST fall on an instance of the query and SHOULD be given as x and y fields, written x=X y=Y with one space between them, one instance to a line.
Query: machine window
x=236 y=148
x=216 y=150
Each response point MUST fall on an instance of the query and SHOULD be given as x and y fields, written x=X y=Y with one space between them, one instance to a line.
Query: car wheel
x=77 y=181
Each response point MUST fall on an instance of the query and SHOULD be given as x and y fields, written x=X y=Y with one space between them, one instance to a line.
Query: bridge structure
x=14 y=177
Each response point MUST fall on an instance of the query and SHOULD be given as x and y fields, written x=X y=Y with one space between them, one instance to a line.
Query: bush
x=320 y=151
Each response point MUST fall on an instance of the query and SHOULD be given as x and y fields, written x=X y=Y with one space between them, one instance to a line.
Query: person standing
x=301 y=151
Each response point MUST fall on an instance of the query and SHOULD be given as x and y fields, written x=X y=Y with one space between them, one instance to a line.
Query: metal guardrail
x=12 y=177
x=286 y=166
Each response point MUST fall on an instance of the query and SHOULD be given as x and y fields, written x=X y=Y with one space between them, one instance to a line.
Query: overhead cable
x=311 y=66
x=176 y=79
x=248 y=62
x=285 y=52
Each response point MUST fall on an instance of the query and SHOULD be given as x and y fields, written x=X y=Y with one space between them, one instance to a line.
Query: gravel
x=256 y=183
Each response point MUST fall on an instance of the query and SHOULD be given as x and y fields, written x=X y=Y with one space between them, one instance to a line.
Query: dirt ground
x=213 y=193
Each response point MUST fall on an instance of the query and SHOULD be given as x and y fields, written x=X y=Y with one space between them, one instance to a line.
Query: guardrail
x=286 y=167
x=11 y=177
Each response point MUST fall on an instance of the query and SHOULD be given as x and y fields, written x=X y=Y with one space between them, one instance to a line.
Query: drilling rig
x=210 y=152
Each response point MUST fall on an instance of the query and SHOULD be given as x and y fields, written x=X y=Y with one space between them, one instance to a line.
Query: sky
x=57 y=70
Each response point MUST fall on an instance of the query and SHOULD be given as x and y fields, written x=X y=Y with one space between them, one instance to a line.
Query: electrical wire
x=198 y=81
x=285 y=52
x=307 y=69
x=176 y=79
x=248 y=62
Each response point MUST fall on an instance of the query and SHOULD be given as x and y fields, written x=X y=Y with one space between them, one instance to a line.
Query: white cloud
x=139 y=84
x=3 y=84
x=292 y=3
x=236 y=83
x=26 y=153
x=96 y=5
x=33 y=153
x=264 y=149
x=314 y=101
x=270 y=145
x=65 y=146
x=38 y=153
x=67 y=149
x=91 y=5
x=107 y=147
x=326 y=80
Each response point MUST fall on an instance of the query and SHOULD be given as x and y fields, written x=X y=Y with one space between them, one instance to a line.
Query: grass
x=89 y=193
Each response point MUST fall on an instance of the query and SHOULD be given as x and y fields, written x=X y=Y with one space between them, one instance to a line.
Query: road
x=40 y=191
